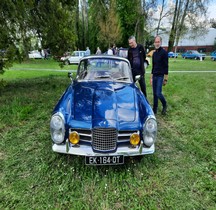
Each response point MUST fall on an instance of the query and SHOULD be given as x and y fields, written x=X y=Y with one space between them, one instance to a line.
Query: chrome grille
x=85 y=134
x=104 y=139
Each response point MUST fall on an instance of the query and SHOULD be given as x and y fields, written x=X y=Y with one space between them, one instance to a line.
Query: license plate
x=104 y=160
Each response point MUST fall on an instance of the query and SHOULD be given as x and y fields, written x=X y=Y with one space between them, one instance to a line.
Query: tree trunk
x=179 y=31
x=173 y=29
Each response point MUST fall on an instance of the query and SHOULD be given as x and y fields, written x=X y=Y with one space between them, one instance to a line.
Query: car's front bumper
x=85 y=150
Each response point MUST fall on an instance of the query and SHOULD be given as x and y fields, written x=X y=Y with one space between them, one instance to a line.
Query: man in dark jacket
x=159 y=74
x=137 y=56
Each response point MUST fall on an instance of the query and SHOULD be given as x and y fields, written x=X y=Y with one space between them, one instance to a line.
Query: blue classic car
x=193 y=54
x=103 y=115
x=213 y=55
x=172 y=55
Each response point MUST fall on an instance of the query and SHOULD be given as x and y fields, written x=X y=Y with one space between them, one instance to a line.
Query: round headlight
x=151 y=125
x=135 y=139
x=148 y=140
x=56 y=122
x=150 y=132
x=57 y=136
x=74 y=137
x=57 y=128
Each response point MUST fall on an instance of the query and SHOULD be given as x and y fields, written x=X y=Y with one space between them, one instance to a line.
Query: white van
x=75 y=57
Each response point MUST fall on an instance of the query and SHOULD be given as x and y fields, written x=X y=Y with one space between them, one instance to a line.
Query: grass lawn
x=42 y=64
x=180 y=175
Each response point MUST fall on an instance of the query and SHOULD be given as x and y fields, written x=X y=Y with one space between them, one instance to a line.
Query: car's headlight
x=150 y=132
x=57 y=128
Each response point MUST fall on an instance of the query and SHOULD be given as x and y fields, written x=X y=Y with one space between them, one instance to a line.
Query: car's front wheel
x=67 y=62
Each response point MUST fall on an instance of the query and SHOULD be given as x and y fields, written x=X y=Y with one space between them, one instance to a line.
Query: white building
x=204 y=43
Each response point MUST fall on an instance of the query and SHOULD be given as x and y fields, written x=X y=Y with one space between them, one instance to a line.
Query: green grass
x=41 y=64
x=191 y=64
x=36 y=69
x=180 y=175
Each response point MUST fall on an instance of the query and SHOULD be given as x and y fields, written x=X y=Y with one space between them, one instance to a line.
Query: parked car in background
x=65 y=56
x=123 y=52
x=103 y=115
x=213 y=55
x=193 y=54
x=36 y=54
x=74 y=58
x=172 y=55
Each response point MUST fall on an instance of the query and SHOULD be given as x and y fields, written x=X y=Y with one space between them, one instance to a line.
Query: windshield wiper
x=122 y=78
x=103 y=77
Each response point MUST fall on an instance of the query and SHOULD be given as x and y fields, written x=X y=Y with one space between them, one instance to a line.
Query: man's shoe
x=164 y=110
x=155 y=111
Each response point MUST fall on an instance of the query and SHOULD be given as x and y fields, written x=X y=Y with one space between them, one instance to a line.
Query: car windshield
x=104 y=69
x=78 y=53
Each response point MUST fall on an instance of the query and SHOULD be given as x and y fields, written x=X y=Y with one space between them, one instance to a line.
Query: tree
x=110 y=31
x=213 y=22
x=54 y=24
x=163 y=13
x=11 y=27
x=129 y=18
x=133 y=18
x=104 y=24
x=184 y=13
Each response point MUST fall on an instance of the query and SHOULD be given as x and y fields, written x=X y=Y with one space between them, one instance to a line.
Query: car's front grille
x=85 y=134
x=104 y=139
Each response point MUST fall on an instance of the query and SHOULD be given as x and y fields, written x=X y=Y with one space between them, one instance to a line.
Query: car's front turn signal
x=135 y=139
x=74 y=137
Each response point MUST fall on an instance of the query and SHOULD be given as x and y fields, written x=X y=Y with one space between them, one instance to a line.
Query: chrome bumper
x=84 y=150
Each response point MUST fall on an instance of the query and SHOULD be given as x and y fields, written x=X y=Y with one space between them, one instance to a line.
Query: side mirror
x=137 y=77
x=70 y=75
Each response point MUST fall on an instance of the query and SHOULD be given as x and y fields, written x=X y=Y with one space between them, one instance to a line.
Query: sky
x=212 y=9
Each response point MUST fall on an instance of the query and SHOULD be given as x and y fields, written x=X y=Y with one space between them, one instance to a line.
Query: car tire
x=67 y=62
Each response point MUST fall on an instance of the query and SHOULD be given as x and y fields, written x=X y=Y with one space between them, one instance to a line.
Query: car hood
x=104 y=104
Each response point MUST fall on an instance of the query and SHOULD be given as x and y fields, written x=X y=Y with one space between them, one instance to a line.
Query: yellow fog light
x=135 y=139
x=74 y=137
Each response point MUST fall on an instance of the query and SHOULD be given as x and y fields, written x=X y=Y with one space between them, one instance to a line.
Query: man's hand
x=151 y=79
x=165 y=79
x=164 y=82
